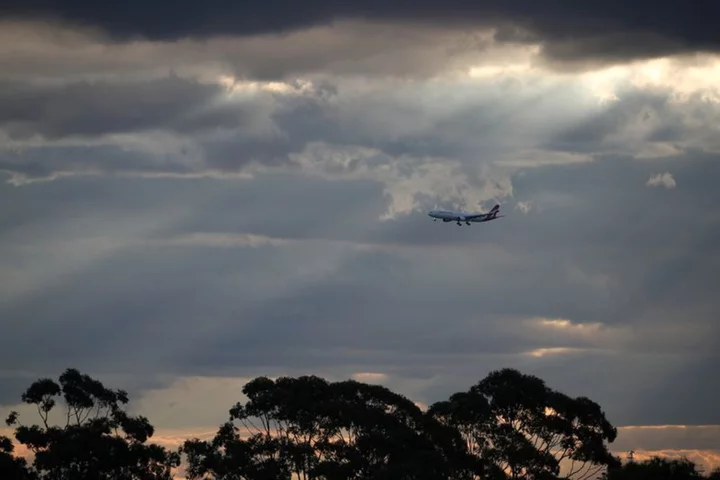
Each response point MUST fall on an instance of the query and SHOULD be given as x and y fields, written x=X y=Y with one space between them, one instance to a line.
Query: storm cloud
x=607 y=30
x=194 y=195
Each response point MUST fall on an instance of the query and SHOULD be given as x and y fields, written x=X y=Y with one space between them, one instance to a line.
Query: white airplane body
x=467 y=217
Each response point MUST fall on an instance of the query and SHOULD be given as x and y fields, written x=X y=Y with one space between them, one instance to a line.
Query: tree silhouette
x=12 y=467
x=526 y=428
x=96 y=438
x=469 y=414
x=656 y=468
x=507 y=425
x=312 y=428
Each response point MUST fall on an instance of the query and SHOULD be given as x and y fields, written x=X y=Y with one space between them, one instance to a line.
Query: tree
x=12 y=467
x=469 y=414
x=316 y=429
x=527 y=429
x=655 y=468
x=98 y=440
x=507 y=425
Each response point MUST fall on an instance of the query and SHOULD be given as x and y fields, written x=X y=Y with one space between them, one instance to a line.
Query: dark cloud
x=430 y=298
x=43 y=162
x=608 y=30
x=176 y=125
x=170 y=125
x=172 y=103
x=141 y=276
x=13 y=386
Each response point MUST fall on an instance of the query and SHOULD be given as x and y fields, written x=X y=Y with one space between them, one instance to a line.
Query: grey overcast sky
x=196 y=194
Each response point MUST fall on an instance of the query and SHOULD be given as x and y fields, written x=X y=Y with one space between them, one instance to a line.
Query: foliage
x=12 y=467
x=657 y=467
x=526 y=429
x=507 y=425
x=96 y=440
x=316 y=429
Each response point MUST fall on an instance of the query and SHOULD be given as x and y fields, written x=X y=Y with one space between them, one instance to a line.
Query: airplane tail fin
x=495 y=210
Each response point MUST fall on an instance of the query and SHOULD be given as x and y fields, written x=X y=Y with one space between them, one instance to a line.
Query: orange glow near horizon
x=707 y=459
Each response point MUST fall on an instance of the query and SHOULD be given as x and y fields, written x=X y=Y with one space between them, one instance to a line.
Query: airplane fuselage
x=467 y=217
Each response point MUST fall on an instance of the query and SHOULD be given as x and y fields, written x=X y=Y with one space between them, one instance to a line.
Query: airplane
x=467 y=217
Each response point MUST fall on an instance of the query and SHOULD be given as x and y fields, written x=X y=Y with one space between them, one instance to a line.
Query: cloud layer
x=212 y=200
x=605 y=31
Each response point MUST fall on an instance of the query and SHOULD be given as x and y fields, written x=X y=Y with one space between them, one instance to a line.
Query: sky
x=193 y=195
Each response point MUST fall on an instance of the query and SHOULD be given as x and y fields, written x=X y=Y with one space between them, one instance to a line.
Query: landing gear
x=459 y=224
x=467 y=223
